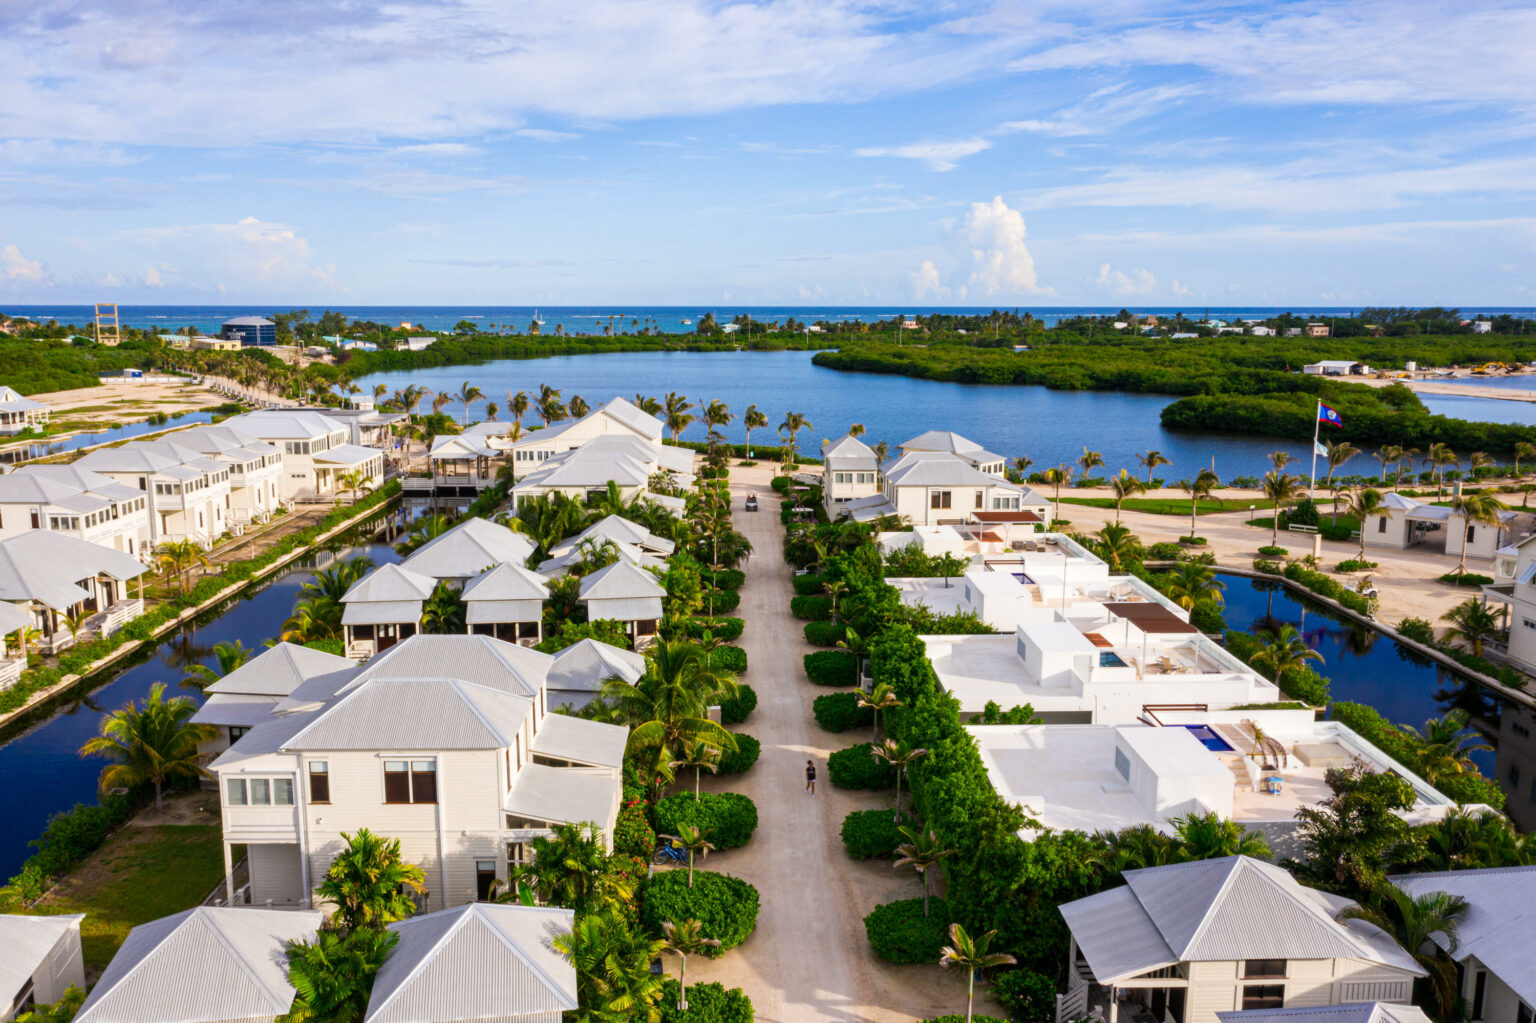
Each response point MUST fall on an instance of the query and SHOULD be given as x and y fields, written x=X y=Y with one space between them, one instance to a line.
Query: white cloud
x=261 y=255
x=546 y=135
x=19 y=268
x=939 y=156
x=1002 y=262
x=1139 y=282
x=1105 y=110
x=1180 y=290
x=926 y=283
x=436 y=149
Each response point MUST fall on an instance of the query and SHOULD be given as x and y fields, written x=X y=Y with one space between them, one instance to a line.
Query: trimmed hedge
x=808 y=585
x=707 y=1003
x=899 y=933
x=725 y=579
x=831 y=668
x=1466 y=579
x=1028 y=996
x=1329 y=587
x=1367 y=722
x=811 y=608
x=720 y=602
x=857 y=767
x=747 y=751
x=729 y=816
x=825 y=633
x=730 y=658
x=838 y=712
x=727 y=906
x=734 y=712
x=873 y=834
x=727 y=630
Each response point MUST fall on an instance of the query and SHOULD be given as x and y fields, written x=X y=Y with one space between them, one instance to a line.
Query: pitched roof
x=847 y=449
x=416 y=714
x=43 y=565
x=202 y=964
x=468 y=549
x=239 y=709
x=1355 y=1012
x=620 y=581
x=26 y=941
x=390 y=582
x=278 y=671
x=620 y=530
x=1204 y=911
x=567 y=557
x=565 y=795
x=479 y=660
x=632 y=416
x=284 y=424
x=478 y=961
x=586 y=664
x=1501 y=916
x=506 y=581
x=941 y=440
x=460 y=446
x=588 y=742
x=939 y=468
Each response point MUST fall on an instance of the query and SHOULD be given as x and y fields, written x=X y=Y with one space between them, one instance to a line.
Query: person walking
x=810 y=778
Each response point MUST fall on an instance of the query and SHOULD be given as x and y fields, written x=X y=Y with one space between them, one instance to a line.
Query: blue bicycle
x=667 y=853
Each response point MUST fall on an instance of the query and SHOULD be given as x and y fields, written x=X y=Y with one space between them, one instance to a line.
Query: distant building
x=1336 y=368
x=1183 y=335
x=215 y=344
x=1482 y=326
x=251 y=331
x=1259 y=330
x=417 y=344
x=18 y=412
x=1317 y=330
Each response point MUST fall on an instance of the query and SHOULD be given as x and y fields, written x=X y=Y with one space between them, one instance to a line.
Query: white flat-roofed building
x=49 y=575
x=18 y=412
x=1336 y=367
x=614 y=418
x=850 y=470
x=1403 y=522
x=506 y=601
x=255 y=469
x=40 y=959
x=625 y=594
x=76 y=502
x=444 y=742
x=316 y=449
x=1184 y=942
x=189 y=492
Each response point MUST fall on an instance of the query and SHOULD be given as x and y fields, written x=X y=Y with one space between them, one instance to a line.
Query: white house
x=626 y=461
x=50 y=576
x=468 y=549
x=77 y=502
x=255 y=469
x=615 y=418
x=203 y=965
x=1482 y=326
x=189 y=493
x=1350 y=1012
x=581 y=670
x=18 y=413
x=1337 y=368
x=384 y=608
x=963 y=448
x=249 y=695
x=316 y=449
x=444 y=742
x=1260 y=330
x=506 y=601
x=850 y=470
x=40 y=959
x=1403 y=522
x=1184 y=942
x=1495 y=967
x=938 y=487
x=625 y=594
x=462 y=460
x=618 y=530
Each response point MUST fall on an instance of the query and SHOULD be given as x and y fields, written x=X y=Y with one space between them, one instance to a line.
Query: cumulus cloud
x=988 y=244
x=1139 y=282
x=926 y=283
x=17 y=267
x=261 y=255
x=939 y=156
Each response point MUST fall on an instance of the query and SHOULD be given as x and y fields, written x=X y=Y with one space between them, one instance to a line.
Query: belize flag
x=1329 y=416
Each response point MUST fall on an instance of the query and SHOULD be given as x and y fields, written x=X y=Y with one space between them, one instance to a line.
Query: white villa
x=18 y=413
x=581 y=669
x=462 y=460
x=850 y=470
x=189 y=492
x=1182 y=943
x=384 y=608
x=444 y=742
x=249 y=695
x=316 y=449
x=614 y=418
x=628 y=462
x=255 y=469
x=76 y=502
x=50 y=575
x=963 y=448
x=1494 y=963
x=1404 y=522
x=40 y=958
x=625 y=594
x=1515 y=587
x=939 y=478
x=506 y=601
x=468 y=549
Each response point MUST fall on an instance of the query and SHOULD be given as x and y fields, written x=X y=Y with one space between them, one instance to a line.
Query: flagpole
x=1317 y=424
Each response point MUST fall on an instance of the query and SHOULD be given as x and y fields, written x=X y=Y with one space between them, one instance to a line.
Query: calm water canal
x=74 y=442
x=1048 y=426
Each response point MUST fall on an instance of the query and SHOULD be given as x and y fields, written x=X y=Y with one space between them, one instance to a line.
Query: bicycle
x=666 y=854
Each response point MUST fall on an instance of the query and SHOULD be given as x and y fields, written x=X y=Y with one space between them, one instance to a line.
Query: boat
x=536 y=318
x=687 y=323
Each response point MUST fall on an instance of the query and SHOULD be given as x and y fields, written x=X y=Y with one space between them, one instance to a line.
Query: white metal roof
x=849 y=452
x=391 y=583
x=568 y=556
x=480 y=961
x=587 y=742
x=566 y=795
x=416 y=714
x=479 y=660
x=203 y=964
x=619 y=530
x=468 y=549
x=506 y=581
x=1499 y=923
x=459 y=446
x=941 y=469
x=586 y=664
x=1354 y=1012
x=621 y=581
x=1056 y=637
x=941 y=440
x=279 y=670
x=347 y=454
x=238 y=709
x=43 y=565
x=13 y=617
x=26 y=941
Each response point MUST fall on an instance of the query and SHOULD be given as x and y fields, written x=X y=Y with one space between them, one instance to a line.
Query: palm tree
x=1123 y=486
x=1021 y=464
x=1150 y=461
x=1280 y=489
x=1283 y=651
x=177 y=556
x=920 y=851
x=1190 y=583
x=1476 y=508
x=469 y=394
x=1281 y=459
x=1391 y=454
x=613 y=968
x=695 y=840
x=1201 y=487
x=353 y=482
x=1413 y=923
x=1363 y=503
x=1339 y=452
x=701 y=757
x=856 y=645
x=153 y=742
x=881 y=697
x=1523 y=449
x=229 y=655
x=684 y=939
x=1473 y=622
x=793 y=423
x=579 y=407
x=677 y=408
x=752 y=419
x=650 y=406
x=856 y=430
x=970 y=954
x=900 y=756
x=333 y=977
x=1437 y=458
x=1090 y=460
x=1206 y=836
x=1058 y=478
x=368 y=883
x=1478 y=460
x=443 y=613
x=1117 y=545
x=517 y=404
x=1447 y=746
x=669 y=704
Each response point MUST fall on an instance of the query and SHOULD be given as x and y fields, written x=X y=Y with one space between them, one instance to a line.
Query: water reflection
x=43 y=448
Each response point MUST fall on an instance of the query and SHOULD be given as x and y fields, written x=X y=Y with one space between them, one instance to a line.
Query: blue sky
x=786 y=151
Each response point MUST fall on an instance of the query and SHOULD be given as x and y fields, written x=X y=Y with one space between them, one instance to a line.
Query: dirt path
x=808 y=960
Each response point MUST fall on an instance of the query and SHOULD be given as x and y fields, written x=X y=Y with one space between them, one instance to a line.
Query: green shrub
x=747 y=751
x=1192 y=541
x=729 y=816
x=1166 y=551
x=328 y=646
x=721 y=602
x=1367 y=722
x=1418 y=629
x=1305 y=513
x=1272 y=551
x=1319 y=583
x=632 y=832
x=735 y=711
x=873 y=834
x=831 y=668
x=857 y=767
x=780 y=484
x=838 y=712
x=729 y=658
x=811 y=608
x=1267 y=566
x=1465 y=579
x=1207 y=617
x=707 y=1003
x=727 y=630
x=1302 y=684
x=1028 y=996
x=825 y=633
x=1357 y=565
x=726 y=906
x=899 y=933
x=808 y=585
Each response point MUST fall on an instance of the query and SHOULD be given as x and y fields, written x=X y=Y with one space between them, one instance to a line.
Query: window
x=1381 y=524
x=1479 y=993
x=981 y=499
x=236 y=791
x=1122 y=764
x=485 y=877
x=236 y=732
x=259 y=791
x=1263 y=996
x=319 y=781
x=1523 y=1013
x=1264 y=968
x=410 y=781
x=1471 y=533
x=939 y=499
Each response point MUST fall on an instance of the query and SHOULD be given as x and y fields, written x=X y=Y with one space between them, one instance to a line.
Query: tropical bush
x=811 y=608
x=721 y=602
x=1298 y=683
x=69 y=837
x=632 y=832
x=1367 y=722
x=725 y=579
x=780 y=484
x=838 y=712
x=1418 y=629
x=1267 y=566
x=707 y=1003
x=825 y=633
x=873 y=834
x=858 y=768
x=727 y=906
x=1358 y=565
x=740 y=707
x=1028 y=996
x=729 y=817
x=808 y=585
x=1327 y=586
x=727 y=630
x=899 y=933
x=831 y=668
x=1207 y=617
x=1271 y=551
x=748 y=749
x=1193 y=541
x=728 y=658
x=1166 y=551
x=1465 y=579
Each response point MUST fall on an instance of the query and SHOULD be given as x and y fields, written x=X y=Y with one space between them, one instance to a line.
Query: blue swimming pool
x=1110 y=659
x=1208 y=738
x=1023 y=578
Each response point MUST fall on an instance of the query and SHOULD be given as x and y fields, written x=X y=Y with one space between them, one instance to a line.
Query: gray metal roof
x=621 y=581
x=265 y=739
x=568 y=556
x=475 y=962
x=940 y=469
x=468 y=549
x=460 y=446
x=77 y=476
x=25 y=941
x=586 y=664
x=42 y=565
x=506 y=581
x=391 y=583
x=502 y=612
x=619 y=530
x=237 y=709
x=204 y=964
x=582 y=468
x=633 y=416
x=347 y=454
x=279 y=670
x=416 y=714
x=566 y=795
x=249 y=321
x=1500 y=919
x=587 y=742
x=479 y=660
x=1354 y=1012
x=849 y=452
x=13 y=617
x=285 y=424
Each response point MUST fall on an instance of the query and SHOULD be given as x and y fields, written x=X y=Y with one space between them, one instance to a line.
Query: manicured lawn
x=1169 y=505
x=141 y=874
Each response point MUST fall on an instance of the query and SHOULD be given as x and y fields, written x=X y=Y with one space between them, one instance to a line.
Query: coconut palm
x=1090 y=460
x=1280 y=489
x=178 y=556
x=1122 y=486
x=517 y=404
x=900 y=756
x=1339 y=452
x=1020 y=464
x=1189 y=584
x=699 y=756
x=1283 y=651
x=354 y=482
x=752 y=419
x=1363 y=503
x=1201 y=487
x=1116 y=544
x=1206 y=836
x=1437 y=458
x=1523 y=449
x=1150 y=461
x=1478 y=460
x=444 y=612
x=229 y=656
x=678 y=409
x=881 y=697
x=613 y=969
x=1058 y=478
x=683 y=939
x=1389 y=454
x=1413 y=922
x=153 y=742
x=333 y=976
x=921 y=851
x=793 y=423
x=669 y=704
x=971 y=955
x=1446 y=746
x=1476 y=508
x=368 y=883
x=1281 y=459
x=858 y=646
x=469 y=394
x=1473 y=622
x=695 y=840
x=650 y=406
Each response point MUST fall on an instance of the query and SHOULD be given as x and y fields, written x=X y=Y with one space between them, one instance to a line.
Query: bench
x=1297 y=527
